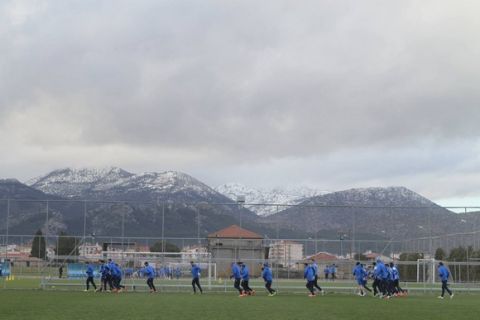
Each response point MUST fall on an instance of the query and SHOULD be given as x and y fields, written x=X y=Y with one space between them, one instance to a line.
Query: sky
x=327 y=94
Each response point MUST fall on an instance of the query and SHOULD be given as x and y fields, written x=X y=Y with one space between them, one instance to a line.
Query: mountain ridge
x=376 y=212
x=264 y=202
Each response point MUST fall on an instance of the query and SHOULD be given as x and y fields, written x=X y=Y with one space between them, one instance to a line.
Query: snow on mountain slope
x=69 y=182
x=256 y=197
x=114 y=182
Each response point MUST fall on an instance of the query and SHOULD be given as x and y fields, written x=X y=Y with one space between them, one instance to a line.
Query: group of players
x=330 y=271
x=385 y=277
x=111 y=277
x=241 y=276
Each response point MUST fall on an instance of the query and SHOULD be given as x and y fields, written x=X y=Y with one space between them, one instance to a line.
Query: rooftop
x=235 y=232
x=323 y=256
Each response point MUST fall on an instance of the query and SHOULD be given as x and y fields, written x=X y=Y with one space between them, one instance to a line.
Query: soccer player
x=376 y=282
x=268 y=278
x=381 y=274
x=112 y=275
x=116 y=273
x=149 y=272
x=365 y=278
x=359 y=274
x=89 y=273
x=245 y=279
x=105 y=276
x=326 y=271
x=444 y=274
x=390 y=280
x=396 y=280
x=196 y=277
x=309 y=275
x=315 y=282
x=237 y=276
x=333 y=271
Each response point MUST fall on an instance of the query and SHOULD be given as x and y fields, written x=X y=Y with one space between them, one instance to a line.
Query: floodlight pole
x=352 y=246
x=341 y=246
x=198 y=226
x=277 y=226
x=84 y=219
x=6 y=238
x=163 y=226
x=123 y=235
x=430 y=242
x=240 y=202
x=46 y=231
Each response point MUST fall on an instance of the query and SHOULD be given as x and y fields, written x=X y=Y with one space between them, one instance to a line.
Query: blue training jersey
x=309 y=273
x=359 y=273
x=267 y=274
x=149 y=272
x=245 y=273
x=236 y=272
x=443 y=273
x=195 y=271
x=89 y=271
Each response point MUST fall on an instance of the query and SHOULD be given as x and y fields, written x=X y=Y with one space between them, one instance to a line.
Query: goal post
x=426 y=270
x=174 y=266
x=167 y=264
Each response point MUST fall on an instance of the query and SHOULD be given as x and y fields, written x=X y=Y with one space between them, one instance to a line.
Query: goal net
x=173 y=267
x=426 y=270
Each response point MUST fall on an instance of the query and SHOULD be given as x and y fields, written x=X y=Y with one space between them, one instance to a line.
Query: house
x=323 y=257
x=234 y=244
x=372 y=256
x=90 y=250
x=195 y=253
x=285 y=253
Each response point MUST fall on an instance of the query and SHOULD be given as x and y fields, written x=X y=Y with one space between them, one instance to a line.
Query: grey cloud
x=245 y=84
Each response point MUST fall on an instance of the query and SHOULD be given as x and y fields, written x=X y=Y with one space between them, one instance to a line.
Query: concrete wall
x=226 y=251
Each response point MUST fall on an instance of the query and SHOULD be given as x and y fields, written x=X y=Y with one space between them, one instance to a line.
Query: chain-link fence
x=38 y=237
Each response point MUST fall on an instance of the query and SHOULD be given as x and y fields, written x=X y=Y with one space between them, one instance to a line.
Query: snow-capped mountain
x=71 y=183
x=124 y=203
x=265 y=202
x=374 y=212
x=117 y=184
x=396 y=211
x=375 y=196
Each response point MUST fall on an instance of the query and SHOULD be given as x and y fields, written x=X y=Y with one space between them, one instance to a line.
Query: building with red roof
x=234 y=232
x=233 y=244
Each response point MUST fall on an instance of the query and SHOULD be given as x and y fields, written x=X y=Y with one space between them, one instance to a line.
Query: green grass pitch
x=38 y=304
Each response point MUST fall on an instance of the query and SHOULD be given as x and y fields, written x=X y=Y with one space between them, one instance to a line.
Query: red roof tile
x=323 y=256
x=235 y=232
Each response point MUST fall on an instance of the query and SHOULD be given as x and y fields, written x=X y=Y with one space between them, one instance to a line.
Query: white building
x=194 y=253
x=90 y=250
x=285 y=252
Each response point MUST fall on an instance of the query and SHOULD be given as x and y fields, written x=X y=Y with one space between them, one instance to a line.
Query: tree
x=458 y=254
x=39 y=246
x=409 y=272
x=440 y=254
x=66 y=246
x=411 y=256
x=169 y=247
x=360 y=257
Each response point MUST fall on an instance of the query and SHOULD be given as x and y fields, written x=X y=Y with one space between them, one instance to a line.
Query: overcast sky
x=330 y=94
